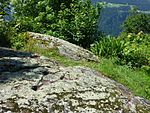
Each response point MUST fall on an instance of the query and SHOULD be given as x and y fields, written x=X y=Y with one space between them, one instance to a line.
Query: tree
x=72 y=20
x=4 y=26
x=4 y=6
x=136 y=23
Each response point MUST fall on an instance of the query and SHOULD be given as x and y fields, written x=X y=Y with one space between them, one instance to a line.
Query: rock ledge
x=36 y=84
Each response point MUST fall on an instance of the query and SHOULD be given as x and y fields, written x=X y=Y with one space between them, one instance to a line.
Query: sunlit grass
x=136 y=80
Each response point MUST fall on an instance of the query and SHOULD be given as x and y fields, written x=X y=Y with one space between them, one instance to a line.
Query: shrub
x=107 y=47
x=6 y=33
x=137 y=22
x=136 y=49
x=132 y=49
x=19 y=41
x=74 y=20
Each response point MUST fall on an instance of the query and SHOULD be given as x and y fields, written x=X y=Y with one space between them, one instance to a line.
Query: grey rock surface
x=36 y=84
x=65 y=48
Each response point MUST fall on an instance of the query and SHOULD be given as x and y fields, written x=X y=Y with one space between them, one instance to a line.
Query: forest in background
x=141 y=4
x=114 y=13
x=113 y=16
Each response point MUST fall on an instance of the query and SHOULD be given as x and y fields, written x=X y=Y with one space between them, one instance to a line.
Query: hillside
x=116 y=12
x=31 y=83
x=141 y=4
x=82 y=70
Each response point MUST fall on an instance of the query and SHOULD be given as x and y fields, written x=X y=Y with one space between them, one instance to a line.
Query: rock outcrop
x=65 y=48
x=36 y=84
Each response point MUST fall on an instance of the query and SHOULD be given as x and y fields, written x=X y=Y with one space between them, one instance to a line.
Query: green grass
x=137 y=81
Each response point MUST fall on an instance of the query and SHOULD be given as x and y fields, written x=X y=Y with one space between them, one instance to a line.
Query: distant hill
x=141 y=4
x=116 y=12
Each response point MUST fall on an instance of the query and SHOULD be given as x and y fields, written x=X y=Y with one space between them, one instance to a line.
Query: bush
x=136 y=49
x=107 y=47
x=6 y=33
x=137 y=22
x=75 y=20
x=132 y=49
x=19 y=41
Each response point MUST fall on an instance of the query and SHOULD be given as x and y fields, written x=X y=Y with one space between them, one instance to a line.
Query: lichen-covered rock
x=35 y=84
x=65 y=48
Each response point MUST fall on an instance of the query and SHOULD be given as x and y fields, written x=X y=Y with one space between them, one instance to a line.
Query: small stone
x=8 y=112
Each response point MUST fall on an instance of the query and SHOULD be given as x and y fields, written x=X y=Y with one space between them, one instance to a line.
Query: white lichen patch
x=89 y=95
x=40 y=84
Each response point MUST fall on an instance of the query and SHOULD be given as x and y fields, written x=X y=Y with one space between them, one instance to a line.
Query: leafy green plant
x=137 y=22
x=129 y=49
x=146 y=68
x=19 y=41
x=137 y=49
x=74 y=20
x=6 y=31
x=107 y=47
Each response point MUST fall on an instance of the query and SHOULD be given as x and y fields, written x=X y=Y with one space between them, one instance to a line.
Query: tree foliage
x=5 y=30
x=72 y=20
x=4 y=7
x=132 y=49
x=136 y=23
